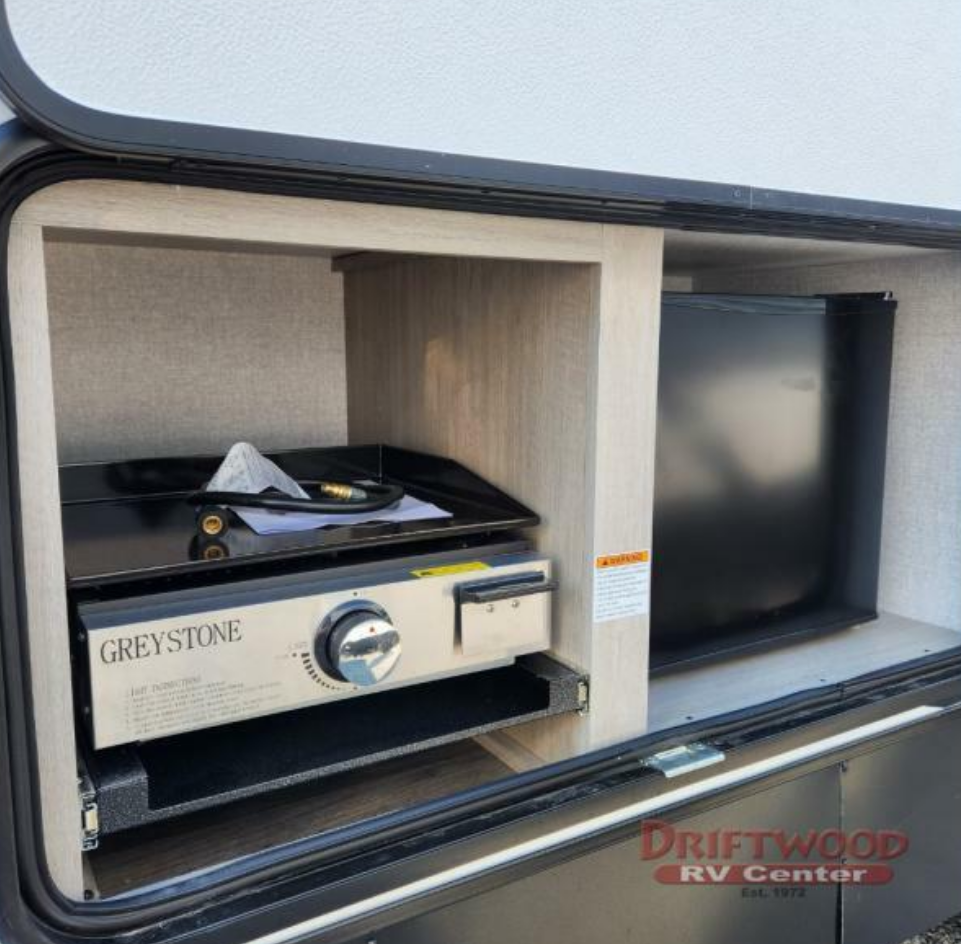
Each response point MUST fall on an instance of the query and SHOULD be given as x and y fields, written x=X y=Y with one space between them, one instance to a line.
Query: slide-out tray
x=156 y=780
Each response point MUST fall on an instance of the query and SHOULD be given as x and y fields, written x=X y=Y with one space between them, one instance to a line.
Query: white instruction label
x=622 y=585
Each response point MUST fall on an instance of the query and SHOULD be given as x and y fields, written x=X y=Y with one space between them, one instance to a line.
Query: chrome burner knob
x=358 y=644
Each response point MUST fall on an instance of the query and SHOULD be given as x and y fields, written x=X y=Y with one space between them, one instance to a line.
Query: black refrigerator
x=771 y=434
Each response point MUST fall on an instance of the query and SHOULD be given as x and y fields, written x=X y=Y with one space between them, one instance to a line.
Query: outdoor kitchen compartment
x=526 y=353
x=314 y=330
x=772 y=419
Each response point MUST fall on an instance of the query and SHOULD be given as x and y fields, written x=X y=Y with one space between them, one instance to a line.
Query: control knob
x=357 y=643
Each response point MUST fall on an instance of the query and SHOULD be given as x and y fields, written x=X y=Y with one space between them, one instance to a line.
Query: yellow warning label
x=622 y=560
x=449 y=569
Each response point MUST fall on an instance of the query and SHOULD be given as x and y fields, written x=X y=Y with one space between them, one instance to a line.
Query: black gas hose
x=339 y=498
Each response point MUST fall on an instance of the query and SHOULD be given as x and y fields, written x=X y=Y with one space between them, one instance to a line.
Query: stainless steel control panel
x=168 y=663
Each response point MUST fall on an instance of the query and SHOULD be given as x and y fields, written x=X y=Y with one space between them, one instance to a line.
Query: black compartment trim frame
x=435 y=178
x=285 y=885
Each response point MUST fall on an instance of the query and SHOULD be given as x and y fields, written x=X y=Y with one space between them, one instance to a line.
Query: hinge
x=583 y=696
x=684 y=759
x=89 y=814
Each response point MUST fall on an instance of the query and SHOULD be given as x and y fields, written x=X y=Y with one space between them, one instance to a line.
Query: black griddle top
x=130 y=521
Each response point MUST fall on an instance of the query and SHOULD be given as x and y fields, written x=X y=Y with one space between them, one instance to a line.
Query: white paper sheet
x=279 y=522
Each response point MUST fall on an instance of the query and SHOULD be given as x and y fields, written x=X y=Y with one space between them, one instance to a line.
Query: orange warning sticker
x=622 y=560
x=622 y=585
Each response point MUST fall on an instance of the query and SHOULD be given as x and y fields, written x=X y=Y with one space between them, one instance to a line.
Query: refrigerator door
x=770 y=467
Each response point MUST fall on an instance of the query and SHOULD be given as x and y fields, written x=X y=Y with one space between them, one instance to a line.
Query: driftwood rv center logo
x=771 y=856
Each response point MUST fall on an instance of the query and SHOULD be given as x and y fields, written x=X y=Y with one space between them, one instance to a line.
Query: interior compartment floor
x=726 y=684
x=144 y=856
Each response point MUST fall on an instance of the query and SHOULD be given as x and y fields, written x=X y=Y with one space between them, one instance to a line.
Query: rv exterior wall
x=820 y=97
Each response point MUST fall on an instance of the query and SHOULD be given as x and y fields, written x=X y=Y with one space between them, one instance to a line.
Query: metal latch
x=677 y=761
x=583 y=696
x=89 y=815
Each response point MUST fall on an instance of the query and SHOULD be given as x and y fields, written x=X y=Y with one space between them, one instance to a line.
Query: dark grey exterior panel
x=913 y=786
x=612 y=895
